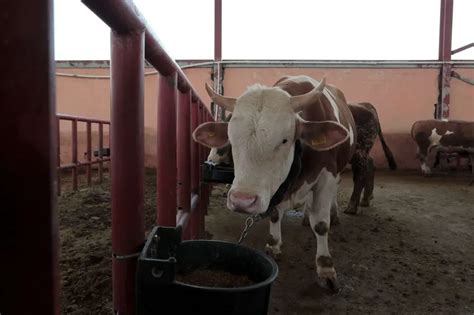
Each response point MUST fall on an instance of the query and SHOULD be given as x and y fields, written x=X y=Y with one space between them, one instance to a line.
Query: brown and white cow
x=442 y=135
x=368 y=129
x=299 y=129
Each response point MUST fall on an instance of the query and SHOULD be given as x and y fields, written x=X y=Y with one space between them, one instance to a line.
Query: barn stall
x=409 y=252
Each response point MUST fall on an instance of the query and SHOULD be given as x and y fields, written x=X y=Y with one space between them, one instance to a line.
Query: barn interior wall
x=401 y=96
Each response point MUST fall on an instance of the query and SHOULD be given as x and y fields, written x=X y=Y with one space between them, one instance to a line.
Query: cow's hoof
x=329 y=276
x=273 y=251
x=333 y=285
x=352 y=210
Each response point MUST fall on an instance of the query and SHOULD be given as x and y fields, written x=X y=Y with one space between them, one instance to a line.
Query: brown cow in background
x=443 y=136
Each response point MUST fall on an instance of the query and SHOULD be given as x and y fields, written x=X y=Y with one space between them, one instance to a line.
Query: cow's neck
x=290 y=179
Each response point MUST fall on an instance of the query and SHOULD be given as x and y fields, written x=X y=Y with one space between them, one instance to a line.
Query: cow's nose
x=242 y=201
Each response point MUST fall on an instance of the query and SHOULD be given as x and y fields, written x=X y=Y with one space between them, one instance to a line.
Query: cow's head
x=262 y=131
x=223 y=155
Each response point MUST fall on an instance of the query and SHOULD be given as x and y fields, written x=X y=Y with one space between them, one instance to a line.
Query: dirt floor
x=85 y=237
x=411 y=252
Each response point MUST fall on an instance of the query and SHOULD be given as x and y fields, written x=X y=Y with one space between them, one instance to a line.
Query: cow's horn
x=227 y=103
x=300 y=101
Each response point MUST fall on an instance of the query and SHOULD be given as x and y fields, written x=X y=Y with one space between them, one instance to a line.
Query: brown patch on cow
x=321 y=228
x=313 y=162
x=271 y=241
x=324 y=261
x=274 y=216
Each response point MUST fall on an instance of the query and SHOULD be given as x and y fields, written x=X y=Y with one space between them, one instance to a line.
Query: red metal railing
x=76 y=164
x=181 y=199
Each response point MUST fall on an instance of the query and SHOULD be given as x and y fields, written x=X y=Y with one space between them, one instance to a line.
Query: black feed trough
x=213 y=173
x=165 y=261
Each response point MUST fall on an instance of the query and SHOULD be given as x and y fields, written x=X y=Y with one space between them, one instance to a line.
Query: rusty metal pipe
x=183 y=135
x=29 y=220
x=166 y=151
x=127 y=128
x=195 y=170
x=124 y=17
x=89 y=153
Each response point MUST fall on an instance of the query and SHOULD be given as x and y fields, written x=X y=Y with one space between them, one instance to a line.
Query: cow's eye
x=284 y=141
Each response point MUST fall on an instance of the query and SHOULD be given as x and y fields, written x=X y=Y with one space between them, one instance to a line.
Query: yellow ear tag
x=318 y=141
x=210 y=134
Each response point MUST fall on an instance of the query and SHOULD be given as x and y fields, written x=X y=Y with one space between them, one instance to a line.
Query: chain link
x=248 y=224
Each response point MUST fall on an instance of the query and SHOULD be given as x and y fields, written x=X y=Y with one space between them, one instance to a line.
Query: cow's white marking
x=434 y=137
x=351 y=135
x=323 y=197
x=425 y=168
x=448 y=133
x=275 y=232
x=331 y=99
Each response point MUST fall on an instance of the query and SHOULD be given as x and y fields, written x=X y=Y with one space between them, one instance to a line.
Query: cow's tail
x=388 y=153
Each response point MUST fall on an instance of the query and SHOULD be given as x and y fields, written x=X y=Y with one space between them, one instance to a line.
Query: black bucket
x=159 y=293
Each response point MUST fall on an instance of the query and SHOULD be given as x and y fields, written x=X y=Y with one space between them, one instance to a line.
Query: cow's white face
x=262 y=132
x=262 y=135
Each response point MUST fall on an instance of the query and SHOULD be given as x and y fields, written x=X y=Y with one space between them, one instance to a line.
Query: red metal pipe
x=74 y=154
x=58 y=154
x=445 y=34
x=89 y=153
x=82 y=119
x=29 y=279
x=458 y=50
x=101 y=146
x=166 y=151
x=446 y=30
x=183 y=135
x=124 y=17
x=127 y=121
x=195 y=170
x=217 y=30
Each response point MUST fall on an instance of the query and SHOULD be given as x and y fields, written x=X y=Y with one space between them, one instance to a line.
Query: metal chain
x=248 y=224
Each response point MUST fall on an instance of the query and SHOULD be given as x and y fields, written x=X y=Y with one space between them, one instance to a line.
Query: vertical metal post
x=183 y=135
x=74 y=155
x=166 y=151
x=58 y=154
x=218 y=30
x=29 y=221
x=101 y=146
x=202 y=185
x=127 y=128
x=89 y=153
x=195 y=170
x=217 y=69
x=445 y=34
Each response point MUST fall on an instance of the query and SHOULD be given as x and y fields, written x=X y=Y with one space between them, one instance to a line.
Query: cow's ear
x=321 y=135
x=212 y=134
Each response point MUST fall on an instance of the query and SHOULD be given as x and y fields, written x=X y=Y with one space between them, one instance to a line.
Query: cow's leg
x=307 y=205
x=359 y=173
x=334 y=210
x=274 y=241
x=422 y=154
x=319 y=217
x=369 y=183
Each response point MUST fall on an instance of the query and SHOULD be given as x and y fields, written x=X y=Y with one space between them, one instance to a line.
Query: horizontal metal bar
x=82 y=119
x=79 y=164
x=343 y=63
x=185 y=64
